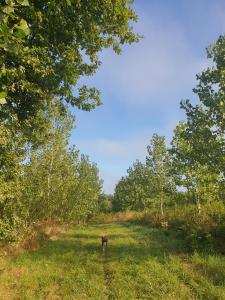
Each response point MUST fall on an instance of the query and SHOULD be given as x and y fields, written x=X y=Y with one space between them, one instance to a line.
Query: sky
x=141 y=89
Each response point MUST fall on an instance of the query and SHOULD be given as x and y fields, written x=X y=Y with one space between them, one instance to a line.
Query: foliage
x=190 y=172
x=86 y=191
x=201 y=183
x=205 y=129
x=13 y=30
x=105 y=203
x=146 y=185
x=159 y=162
x=137 y=190
x=12 y=154
x=46 y=47
x=205 y=232
x=46 y=180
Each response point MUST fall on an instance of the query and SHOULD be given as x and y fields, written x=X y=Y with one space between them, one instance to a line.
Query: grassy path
x=140 y=263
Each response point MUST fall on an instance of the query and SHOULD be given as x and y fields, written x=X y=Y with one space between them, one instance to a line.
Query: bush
x=203 y=232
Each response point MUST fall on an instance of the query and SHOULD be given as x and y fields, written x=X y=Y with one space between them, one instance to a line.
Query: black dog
x=104 y=241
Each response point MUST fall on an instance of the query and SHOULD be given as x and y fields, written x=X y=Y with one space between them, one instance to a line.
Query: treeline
x=45 y=47
x=48 y=181
x=190 y=172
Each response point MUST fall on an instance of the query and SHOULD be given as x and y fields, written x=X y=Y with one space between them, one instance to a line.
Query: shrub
x=203 y=232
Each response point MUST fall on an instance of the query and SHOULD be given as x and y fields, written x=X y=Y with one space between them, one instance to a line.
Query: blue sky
x=141 y=89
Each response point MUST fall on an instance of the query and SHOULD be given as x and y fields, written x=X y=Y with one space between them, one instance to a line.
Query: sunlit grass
x=139 y=263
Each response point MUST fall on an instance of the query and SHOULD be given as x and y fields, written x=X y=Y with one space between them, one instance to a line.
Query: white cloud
x=155 y=73
x=115 y=150
x=116 y=155
x=110 y=181
x=161 y=65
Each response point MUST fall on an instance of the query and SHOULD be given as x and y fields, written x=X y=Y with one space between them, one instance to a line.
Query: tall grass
x=140 y=262
x=203 y=231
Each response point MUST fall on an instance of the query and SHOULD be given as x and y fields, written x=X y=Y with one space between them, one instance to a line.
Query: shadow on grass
x=79 y=251
x=138 y=244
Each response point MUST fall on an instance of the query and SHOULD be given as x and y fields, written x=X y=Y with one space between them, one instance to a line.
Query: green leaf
x=8 y=9
x=23 y=25
x=23 y=2
x=22 y=29
x=3 y=94
x=9 y=2
x=2 y=97
x=68 y=2
x=2 y=101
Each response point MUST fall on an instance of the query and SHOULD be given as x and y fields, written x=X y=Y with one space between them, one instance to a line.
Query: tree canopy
x=46 y=46
x=193 y=166
x=205 y=128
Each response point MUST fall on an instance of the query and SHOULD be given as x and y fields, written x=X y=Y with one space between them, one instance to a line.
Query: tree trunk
x=198 y=204
x=49 y=175
x=161 y=206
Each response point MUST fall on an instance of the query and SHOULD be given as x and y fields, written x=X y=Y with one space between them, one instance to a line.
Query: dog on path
x=104 y=242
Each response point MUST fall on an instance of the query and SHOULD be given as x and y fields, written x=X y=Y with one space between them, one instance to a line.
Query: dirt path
x=107 y=273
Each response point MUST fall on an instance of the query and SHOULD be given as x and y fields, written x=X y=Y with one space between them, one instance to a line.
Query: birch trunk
x=198 y=204
x=49 y=175
x=161 y=206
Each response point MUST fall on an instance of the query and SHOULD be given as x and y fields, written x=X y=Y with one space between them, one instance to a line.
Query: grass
x=139 y=263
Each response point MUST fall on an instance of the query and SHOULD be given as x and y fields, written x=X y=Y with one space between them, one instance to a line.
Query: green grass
x=139 y=263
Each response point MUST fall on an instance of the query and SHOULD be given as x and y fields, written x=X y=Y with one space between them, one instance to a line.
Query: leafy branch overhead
x=12 y=31
x=46 y=46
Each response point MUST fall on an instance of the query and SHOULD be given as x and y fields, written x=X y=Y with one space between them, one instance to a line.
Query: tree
x=61 y=184
x=54 y=44
x=158 y=162
x=86 y=191
x=12 y=154
x=48 y=169
x=13 y=30
x=205 y=128
x=136 y=191
x=200 y=182
x=105 y=203
x=45 y=47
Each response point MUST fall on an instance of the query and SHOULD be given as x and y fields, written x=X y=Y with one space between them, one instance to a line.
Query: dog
x=104 y=242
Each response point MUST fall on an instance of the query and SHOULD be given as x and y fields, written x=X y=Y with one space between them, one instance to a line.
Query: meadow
x=140 y=262
x=165 y=217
